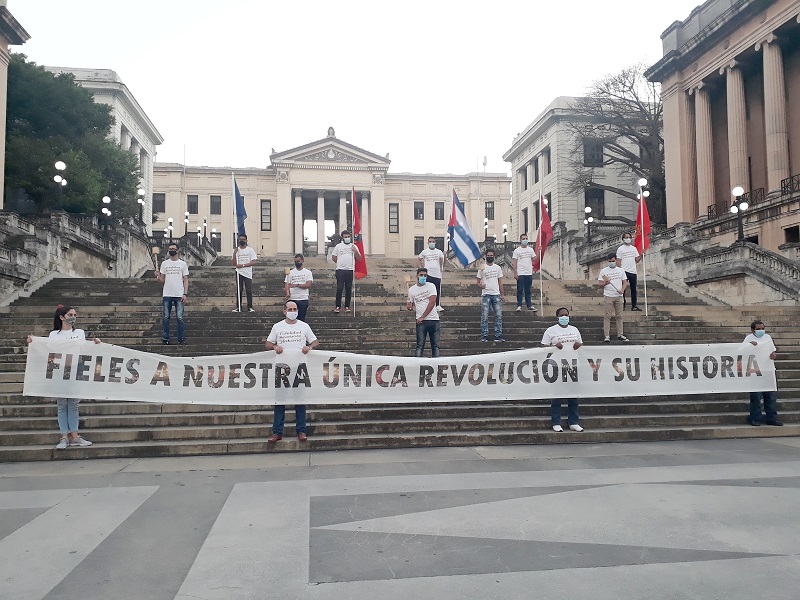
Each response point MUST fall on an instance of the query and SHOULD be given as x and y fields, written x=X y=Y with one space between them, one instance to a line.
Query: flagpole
x=644 y=259
x=353 y=233
x=541 y=258
x=236 y=231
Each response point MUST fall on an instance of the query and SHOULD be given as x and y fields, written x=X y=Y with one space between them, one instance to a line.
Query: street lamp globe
x=646 y=194
x=587 y=210
x=591 y=219
x=60 y=165
x=743 y=205
x=642 y=182
x=140 y=192
x=738 y=191
x=63 y=182
x=106 y=200
x=57 y=178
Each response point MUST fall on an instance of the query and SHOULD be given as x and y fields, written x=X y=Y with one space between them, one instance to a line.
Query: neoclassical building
x=730 y=79
x=304 y=195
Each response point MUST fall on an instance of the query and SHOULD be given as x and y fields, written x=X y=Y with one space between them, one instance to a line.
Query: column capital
x=771 y=38
x=365 y=195
x=320 y=194
x=729 y=67
x=298 y=193
x=343 y=194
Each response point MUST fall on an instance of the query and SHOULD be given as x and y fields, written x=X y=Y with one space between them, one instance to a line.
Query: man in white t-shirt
x=490 y=280
x=614 y=283
x=422 y=300
x=432 y=259
x=628 y=255
x=345 y=255
x=285 y=334
x=297 y=286
x=522 y=262
x=759 y=337
x=563 y=336
x=174 y=274
x=244 y=257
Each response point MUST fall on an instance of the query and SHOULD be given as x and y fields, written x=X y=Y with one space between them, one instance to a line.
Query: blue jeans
x=168 y=303
x=280 y=418
x=770 y=406
x=302 y=309
x=497 y=306
x=67 y=415
x=431 y=329
x=572 y=408
x=524 y=283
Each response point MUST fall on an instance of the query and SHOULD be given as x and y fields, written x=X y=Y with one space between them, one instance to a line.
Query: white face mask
x=524 y=242
x=291 y=315
x=346 y=240
x=432 y=245
x=611 y=264
x=626 y=240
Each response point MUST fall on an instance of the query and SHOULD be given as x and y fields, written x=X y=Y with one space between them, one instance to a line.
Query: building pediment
x=329 y=152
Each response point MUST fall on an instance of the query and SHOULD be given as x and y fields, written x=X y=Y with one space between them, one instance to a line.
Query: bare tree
x=621 y=117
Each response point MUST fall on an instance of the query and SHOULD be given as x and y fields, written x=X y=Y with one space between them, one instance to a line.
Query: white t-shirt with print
x=613 y=289
x=627 y=254
x=244 y=256
x=432 y=260
x=419 y=296
x=174 y=272
x=490 y=276
x=524 y=257
x=300 y=277
x=765 y=340
x=72 y=334
x=565 y=335
x=291 y=335
x=345 y=256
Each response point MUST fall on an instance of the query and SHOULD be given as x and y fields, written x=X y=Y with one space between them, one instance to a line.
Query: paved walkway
x=673 y=520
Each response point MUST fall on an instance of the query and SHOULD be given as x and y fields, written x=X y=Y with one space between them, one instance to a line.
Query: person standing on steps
x=345 y=255
x=286 y=334
x=614 y=283
x=422 y=299
x=244 y=257
x=174 y=274
x=64 y=329
x=758 y=336
x=297 y=286
x=432 y=260
x=490 y=280
x=522 y=262
x=628 y=255
x=563 y=335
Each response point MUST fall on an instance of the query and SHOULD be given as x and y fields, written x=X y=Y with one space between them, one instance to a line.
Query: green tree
x=49 y=118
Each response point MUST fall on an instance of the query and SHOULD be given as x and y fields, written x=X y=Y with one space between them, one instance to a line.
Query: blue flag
x=462 y=241
x=239 y=211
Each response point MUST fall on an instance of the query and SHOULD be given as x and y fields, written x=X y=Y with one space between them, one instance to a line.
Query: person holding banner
x=759 y=337
x=64 y=329
x=432 y=259
x=422 y=298
x=628 y=255
x=614 y=282
x=522 y=262
x=297 y=286
x=345 y=255
x=290 y=333
x=244 y=257
x=563 y=335
x=174 y=274
x=490 y=280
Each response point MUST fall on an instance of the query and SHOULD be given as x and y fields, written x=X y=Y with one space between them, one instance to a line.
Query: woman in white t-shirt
x=64 y=329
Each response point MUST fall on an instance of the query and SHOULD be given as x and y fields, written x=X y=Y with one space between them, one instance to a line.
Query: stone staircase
x=127 y=312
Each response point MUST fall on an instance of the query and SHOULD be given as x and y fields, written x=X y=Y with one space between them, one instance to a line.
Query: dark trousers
x=344 y=281
x=524 y=283
x=632 y=288
x=302 y=309
x=572 y=408
x=770 y=406
x=245 y=283
x=280 y=418
x=437 y=282
x=431 y=329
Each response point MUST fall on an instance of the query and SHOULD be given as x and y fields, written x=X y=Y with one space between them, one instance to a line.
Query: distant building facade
x=305 y=194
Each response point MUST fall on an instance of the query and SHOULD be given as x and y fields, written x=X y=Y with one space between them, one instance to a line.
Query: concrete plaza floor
x=669 y=520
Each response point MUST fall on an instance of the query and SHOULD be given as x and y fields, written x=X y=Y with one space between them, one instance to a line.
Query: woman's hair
x=61 y=310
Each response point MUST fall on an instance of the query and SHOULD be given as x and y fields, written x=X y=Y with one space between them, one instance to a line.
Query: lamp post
x=205 y=227
x=170 y=228
x=214 y=237
x=588 y=222
x=186 y=223
x=737 y=208
x=140 y=201
x=106 y=210
x=199 y=233
x=60 y=166
x=486 y=229
x=505 y=233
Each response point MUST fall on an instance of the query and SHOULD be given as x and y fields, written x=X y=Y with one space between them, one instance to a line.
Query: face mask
x=524 y=242
x=564 y=321
x=759 y=333
x=71 y=319
x=612 y=264
x=490 y=259
x=422 y=279
x=432 y=245
x=242 y=244
x=346 y=240
x=173 y=252
x=626 y=240
x=298 y=265
x=291 y=315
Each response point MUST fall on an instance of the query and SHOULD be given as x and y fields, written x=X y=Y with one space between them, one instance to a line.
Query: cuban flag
x=462 y=241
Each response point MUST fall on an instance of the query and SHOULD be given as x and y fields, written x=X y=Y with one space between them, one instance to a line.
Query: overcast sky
x=437 y=84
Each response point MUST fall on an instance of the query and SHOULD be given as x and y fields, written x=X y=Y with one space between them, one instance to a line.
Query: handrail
x=790 y=185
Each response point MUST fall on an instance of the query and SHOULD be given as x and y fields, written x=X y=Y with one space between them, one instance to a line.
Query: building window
x=266 y=215
x=791 y=235
x=159 y=203
x=488 y=211
x=548 y=205
x=419 y=211
x=438 y=211
x=523 y=178
x=216 y=242
x=524 y=221
x=394 y=218
x=592 y=153
x=536 y=170
x=216 y=205
x=546 y=159
x=595 y=199
x=419 y=244
x=439 y=243
x=191 y=204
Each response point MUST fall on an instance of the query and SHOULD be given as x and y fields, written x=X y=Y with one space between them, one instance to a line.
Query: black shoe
x=182 y=342
x=165 y=342
x=774 y=422
x=754 y=423
x=637 y=308
x=484 y=339
x=500 y=339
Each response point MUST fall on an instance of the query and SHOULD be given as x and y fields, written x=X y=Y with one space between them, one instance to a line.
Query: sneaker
x=79 y=441
x=484 y=339
x=165 y=342
x=236 y=310
x=500 y=339
x=62 y=443
x=622 y=338
x=440 y=308
x=336 y=310
x=576 y=427
x=533 y=308
x=346 y=309
x=519 y=308
x=637 y=308
x=774 y=422
x=606 y=340
x=251 y=310
x=558 y=428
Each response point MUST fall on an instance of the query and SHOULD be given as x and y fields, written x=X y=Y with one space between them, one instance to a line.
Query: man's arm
x=185 y=285
x=420 y=262
x=514 y=265
x=356 y=252
x=500 y=285
x=429 y=308
x=234 y=257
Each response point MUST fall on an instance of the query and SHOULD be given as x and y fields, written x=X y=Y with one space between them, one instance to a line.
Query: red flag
x=361 y=264
x=543 y=236
x=642 y=236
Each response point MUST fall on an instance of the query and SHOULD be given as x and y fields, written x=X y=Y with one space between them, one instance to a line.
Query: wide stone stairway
x=128 y=313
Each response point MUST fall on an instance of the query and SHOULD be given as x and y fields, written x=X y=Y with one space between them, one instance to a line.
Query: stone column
x=365 y=228
x=321 y=223
x=737 y=127
x=691 y=160
x=704 y=149
x=298 y=221
x=775 y=125
x=343 y=210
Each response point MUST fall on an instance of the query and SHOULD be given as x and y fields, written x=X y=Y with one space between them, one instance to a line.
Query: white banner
x=106 y=372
